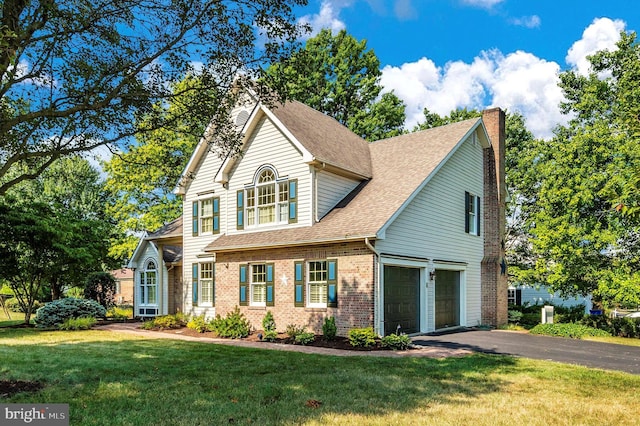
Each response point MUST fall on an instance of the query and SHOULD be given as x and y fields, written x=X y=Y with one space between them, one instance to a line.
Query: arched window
x=269 y=199
x=149 y=284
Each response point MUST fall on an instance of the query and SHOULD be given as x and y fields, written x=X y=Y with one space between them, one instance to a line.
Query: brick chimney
x=493 y=272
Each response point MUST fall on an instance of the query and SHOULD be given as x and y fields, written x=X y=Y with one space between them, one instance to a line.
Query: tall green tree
x=340 y=76
x=76 y=74
x=584 y=245
x=141 y=179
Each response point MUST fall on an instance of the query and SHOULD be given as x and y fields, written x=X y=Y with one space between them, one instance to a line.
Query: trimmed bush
x=362 y=337
x=268 y=323
x=72 y=324
x=165 y=322
x=396 y=342
x=120 y=313
x=54 y=313
x=514 y=316
x=329 y=329
x=574 y=331
x=198 y=324
x=234 y=325
x=270 y=336
x=304 y=338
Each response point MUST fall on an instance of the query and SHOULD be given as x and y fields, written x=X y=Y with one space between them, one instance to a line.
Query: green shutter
x=194 y=209
x=244 y=291
x=270 y=286
x=240 y=209
x=332 y=283
x=194 y=283
x=477 y=199
x=293 y=201
x=299 y=284
x=466 y=211
x=216 y=215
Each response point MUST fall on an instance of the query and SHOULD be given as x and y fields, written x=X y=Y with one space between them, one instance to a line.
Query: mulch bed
x=337 y=343
x=11 y=387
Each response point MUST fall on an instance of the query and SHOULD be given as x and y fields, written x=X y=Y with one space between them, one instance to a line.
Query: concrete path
x=607 y=356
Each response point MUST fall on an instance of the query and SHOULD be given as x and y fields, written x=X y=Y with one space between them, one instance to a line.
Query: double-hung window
x=269 y=200
x=206 y=216
x=316 y=283
x=206 y=284
x=148 y=284
x=257 y=284
x=472 y=214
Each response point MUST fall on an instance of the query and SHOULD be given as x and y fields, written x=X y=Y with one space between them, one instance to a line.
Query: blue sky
x=447 y=54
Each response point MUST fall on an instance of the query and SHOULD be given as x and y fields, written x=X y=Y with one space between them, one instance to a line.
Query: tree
x=141 y=179
x=75 y=75
x=584 y=245
x=431 y=119
x=340 y=77
x=101 y=287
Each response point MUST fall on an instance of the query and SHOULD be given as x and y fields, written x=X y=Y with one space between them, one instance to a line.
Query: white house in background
x=529 y=295
x=312 y=221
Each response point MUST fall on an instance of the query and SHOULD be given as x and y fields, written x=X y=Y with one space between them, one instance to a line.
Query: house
x=312 y=221
x=124 y=286
x=542 y=295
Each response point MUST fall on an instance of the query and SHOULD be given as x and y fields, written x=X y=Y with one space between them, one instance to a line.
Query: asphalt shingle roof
x=399 y=167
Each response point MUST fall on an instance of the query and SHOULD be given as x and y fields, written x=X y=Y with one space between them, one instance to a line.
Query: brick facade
x=494 y=274
x=355 y=286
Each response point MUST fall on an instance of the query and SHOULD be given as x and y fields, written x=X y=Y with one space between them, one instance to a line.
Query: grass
x=617 y=340
x=110 y=378
x=16 y=318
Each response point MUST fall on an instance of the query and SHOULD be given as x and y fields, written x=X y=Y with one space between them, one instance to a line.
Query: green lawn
x=110 y=378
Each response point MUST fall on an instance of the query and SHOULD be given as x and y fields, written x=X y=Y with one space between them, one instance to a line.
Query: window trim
x=330 y=284
x=472 y=214
x=201 y=279
x=144 y=287
x=249 y=198
x=198 y=216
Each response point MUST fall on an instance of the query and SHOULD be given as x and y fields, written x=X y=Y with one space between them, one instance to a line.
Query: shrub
x=84 y=323
x=362 y=337
x=293 y=330
x=198 y=324
x=75 y=292
x=574 y=331
x=530 y=320
x=101 y=287
x=329 y=329
x=120 y=313
x=514 y=316
x=268 y=323
x=568 y=314
x=165 y=322
x=14 y=306
x=234 y=325
x=304 y=338
x=56 y=312
x=400 y=342
x=270 y=336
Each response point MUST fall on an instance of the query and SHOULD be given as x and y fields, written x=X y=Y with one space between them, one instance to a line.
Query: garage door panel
x=402 y=299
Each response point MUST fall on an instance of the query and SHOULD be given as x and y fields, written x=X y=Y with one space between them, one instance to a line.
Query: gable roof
x=170 y=230
x=329 y=142
x=401 y=167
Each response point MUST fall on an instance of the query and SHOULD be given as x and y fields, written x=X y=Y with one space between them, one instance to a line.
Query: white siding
x=267 y=145
x=150 y=252
x=331 y=189
x=200 y=188
x=432 y=226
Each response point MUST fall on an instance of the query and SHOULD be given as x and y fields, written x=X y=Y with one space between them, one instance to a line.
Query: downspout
x=376 y=295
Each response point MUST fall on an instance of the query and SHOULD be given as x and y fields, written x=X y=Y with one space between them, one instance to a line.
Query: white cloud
x=603 y=33
x=532 y=21
x=518 y=82
x=486 y=4
x=404 y=10
x=327 y=17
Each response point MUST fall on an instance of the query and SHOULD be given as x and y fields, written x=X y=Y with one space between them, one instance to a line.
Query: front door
x=447 y=298
x=401 y=299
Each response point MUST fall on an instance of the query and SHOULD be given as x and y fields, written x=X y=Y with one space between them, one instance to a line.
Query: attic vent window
x=242 y=118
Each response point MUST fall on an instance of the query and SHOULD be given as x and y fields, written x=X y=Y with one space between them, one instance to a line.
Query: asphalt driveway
x=607 y=356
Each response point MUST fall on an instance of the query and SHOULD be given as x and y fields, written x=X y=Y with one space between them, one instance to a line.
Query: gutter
x=378 y=289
